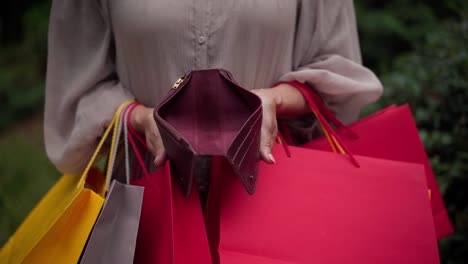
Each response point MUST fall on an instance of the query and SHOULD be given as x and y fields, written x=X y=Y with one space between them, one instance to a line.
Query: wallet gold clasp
x=177 y=83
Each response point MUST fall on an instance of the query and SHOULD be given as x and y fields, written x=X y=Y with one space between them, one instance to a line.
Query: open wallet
x=207 y=113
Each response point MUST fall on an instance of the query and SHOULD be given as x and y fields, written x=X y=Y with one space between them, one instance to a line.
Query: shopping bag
x=57 y=228
x=388 y=134
x=113 y=238
x=317 y=207
x=171 y=226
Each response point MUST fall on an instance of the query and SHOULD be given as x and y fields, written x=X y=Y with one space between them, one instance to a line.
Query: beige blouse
x=102 y=52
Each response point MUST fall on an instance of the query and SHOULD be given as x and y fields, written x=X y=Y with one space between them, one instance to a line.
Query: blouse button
x=201 y=40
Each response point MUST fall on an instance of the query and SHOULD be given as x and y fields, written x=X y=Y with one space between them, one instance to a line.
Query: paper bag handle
x=111 y=127
x=122 y=122
x=331 y=136
x=131 y=134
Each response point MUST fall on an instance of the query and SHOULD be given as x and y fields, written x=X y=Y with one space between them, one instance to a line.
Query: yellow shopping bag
x=57 y=228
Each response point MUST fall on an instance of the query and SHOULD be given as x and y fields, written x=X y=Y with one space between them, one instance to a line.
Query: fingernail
x=159 y=162
x=271 y=158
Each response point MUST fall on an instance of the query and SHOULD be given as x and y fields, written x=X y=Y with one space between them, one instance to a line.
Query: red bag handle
x=133 y=134
x=287 y=138
x=323 y=109
x=332 y=137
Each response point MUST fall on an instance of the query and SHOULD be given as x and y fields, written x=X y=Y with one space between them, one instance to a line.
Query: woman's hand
x=269 y=132
x=282 y=100
x=142 y=121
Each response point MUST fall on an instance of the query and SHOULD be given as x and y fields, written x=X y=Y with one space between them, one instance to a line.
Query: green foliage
x=389 y=28
x=389 y=24
x=22 y=68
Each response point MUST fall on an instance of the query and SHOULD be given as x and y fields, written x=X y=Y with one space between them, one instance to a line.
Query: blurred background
x=418 y=48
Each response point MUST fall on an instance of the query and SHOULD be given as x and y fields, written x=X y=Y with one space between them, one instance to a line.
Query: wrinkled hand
x=143 y=122
x=269 y=132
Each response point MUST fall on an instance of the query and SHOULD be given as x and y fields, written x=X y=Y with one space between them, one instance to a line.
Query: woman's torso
x=156 y=41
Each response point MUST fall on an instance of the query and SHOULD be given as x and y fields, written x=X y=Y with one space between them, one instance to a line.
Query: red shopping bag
x=171 y=226
x=388 y=134
x=316 y=207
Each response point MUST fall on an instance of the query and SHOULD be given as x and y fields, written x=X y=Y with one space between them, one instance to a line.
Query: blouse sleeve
x=82 y=88
x=327 y=57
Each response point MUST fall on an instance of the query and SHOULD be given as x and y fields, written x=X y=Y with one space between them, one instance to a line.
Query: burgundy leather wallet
x=207 y=113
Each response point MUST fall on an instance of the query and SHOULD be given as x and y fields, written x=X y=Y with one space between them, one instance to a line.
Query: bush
x=22 y=68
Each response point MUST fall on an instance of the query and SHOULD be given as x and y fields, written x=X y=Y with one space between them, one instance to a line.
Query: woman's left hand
x=282 y=100
x=269 y=132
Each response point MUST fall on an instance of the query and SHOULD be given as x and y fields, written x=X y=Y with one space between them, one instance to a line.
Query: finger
x=266 y=145
x=161 y=156
x=265 y=155
x=268 y=137
x=157 y=149
x=156 y=146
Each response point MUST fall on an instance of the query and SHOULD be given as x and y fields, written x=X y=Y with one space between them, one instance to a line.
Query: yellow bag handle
x=111 y=127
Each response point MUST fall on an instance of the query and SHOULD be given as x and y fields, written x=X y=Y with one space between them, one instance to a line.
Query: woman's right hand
x=143 y=122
